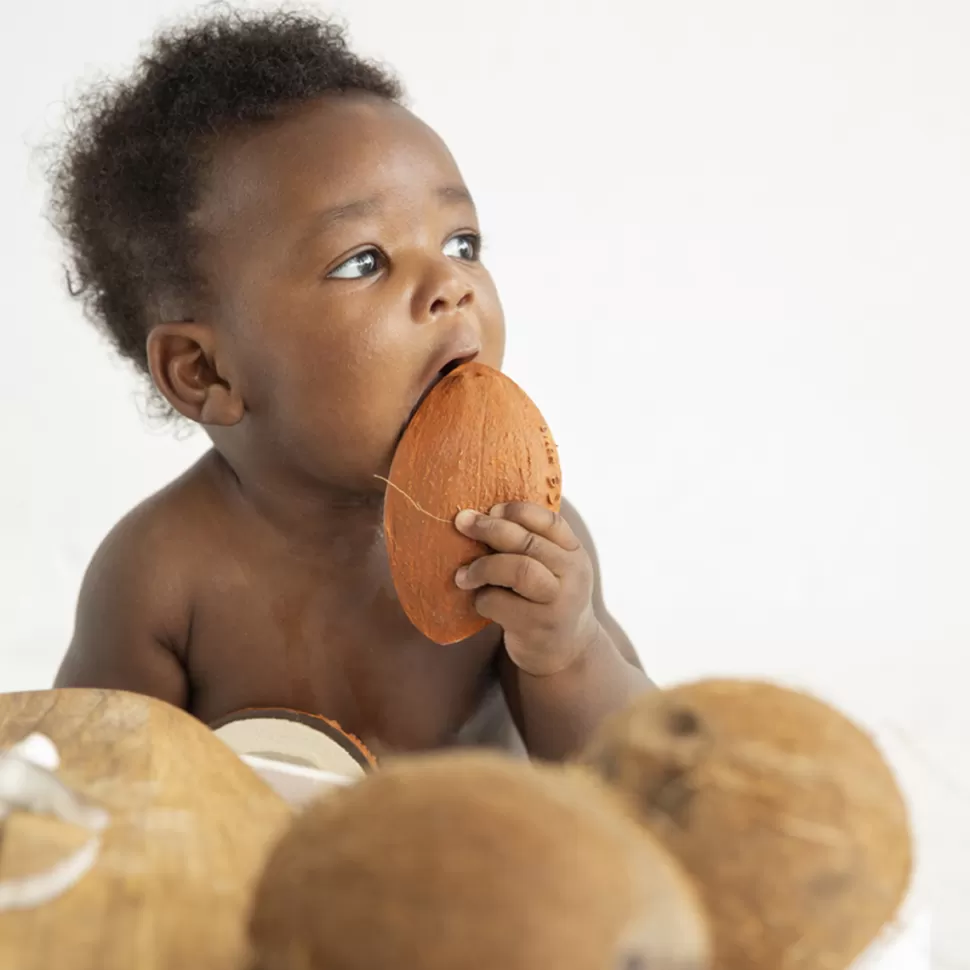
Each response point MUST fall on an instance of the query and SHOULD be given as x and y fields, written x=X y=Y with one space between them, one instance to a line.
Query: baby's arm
x=556 y=713
x=132 y=617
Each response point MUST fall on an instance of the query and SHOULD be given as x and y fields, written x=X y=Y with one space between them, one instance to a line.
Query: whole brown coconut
x=189 y=828
x=477 y=440
x=782 y=810
x=474 y=862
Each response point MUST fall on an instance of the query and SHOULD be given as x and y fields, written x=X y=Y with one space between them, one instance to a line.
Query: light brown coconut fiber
x=476 y=441
x=474 y=862
x=783 y=811
x=189 y=827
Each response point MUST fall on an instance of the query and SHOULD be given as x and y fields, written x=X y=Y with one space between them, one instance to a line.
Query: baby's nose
x=452 y=294
x=444 y=290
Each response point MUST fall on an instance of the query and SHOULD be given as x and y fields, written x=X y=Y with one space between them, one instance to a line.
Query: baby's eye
x=361 y=264
x=467 y=245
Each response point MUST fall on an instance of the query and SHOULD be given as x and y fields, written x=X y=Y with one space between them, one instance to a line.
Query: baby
x=293 y=258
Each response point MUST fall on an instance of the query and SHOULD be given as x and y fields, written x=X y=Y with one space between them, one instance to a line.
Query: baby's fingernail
x=499 y=510
x=460 y=575
x=466 y=518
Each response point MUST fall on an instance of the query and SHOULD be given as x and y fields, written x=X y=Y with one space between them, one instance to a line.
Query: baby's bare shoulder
x=135 y=607
x=159 y=543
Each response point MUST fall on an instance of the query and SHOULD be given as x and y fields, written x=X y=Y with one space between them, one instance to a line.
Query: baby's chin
x=356 y=460
x=371 y=476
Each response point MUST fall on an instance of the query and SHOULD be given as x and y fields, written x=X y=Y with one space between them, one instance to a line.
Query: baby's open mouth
x=436 y=380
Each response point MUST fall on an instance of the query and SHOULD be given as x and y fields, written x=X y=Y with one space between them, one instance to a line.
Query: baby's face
x=341 y=248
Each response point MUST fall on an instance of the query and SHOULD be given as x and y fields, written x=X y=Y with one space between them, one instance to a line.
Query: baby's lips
x=445 y=362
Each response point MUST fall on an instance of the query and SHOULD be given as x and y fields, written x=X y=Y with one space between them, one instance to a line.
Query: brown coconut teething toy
x=474 y=862
x=782 y=810
x=476 y=441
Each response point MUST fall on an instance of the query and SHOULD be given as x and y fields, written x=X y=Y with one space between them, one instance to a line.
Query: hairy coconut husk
x=471 y=861
x=782 y=810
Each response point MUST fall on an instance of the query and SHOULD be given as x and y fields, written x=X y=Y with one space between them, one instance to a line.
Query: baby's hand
x=537 y=584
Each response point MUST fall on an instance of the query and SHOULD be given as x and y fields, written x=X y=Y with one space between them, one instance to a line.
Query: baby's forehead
x=337 y=149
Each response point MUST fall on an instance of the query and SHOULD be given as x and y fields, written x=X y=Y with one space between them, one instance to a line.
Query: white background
x=733 y=242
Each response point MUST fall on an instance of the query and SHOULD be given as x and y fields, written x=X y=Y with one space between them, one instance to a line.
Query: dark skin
x=340 y=254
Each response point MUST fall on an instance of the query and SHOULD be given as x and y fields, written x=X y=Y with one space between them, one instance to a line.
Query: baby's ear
x=185 y=366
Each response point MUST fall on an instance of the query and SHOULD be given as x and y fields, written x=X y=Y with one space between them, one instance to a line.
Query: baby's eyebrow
x=362 y=208
x=455 y=195
x=358 y=209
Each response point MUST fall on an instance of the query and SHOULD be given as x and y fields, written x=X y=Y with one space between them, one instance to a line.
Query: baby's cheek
x=492 y=321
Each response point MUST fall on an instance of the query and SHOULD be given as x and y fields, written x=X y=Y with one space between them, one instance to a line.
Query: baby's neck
x=310 y=519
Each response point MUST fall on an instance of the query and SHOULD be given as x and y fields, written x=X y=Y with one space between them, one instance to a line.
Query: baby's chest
x=350 y=655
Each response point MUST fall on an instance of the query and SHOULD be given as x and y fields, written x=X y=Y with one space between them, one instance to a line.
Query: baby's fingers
x=505 y=536
x=540 y=521
x=523 y=575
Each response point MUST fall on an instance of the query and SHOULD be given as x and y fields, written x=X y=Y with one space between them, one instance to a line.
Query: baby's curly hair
x=128 y=177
